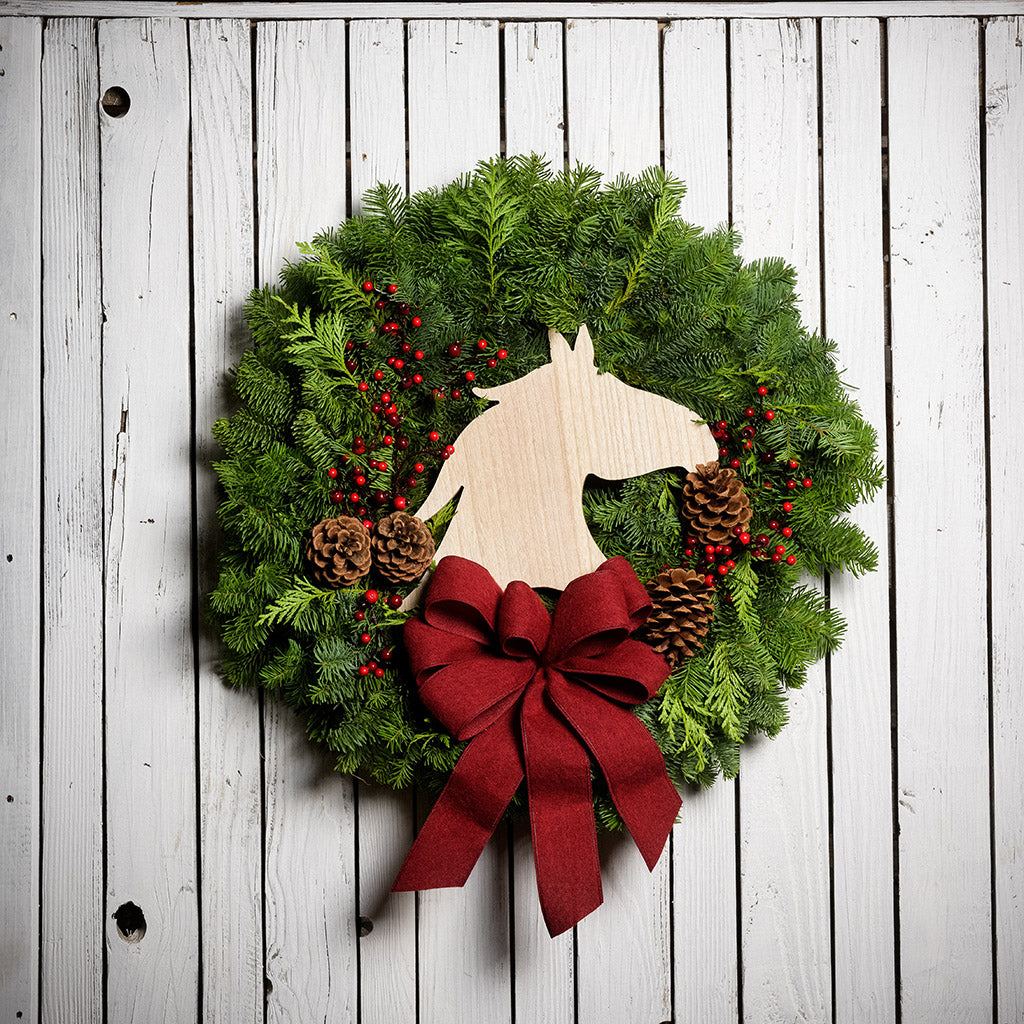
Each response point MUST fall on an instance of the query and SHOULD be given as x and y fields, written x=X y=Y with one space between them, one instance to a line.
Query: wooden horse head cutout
x=521 y=464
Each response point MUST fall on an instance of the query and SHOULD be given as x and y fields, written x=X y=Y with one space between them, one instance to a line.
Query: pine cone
x=338 y=552
x=681 y=615
x=715 y=503
x=403 y=547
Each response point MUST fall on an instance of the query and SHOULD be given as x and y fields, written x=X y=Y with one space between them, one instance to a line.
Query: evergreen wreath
x=360 y=380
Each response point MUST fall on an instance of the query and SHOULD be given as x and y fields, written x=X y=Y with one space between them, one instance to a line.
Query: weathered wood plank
x=531 y=10
x=534 y=97
x=613 y=94
x=310 y=895
x=150 y=691
x=464 y=959
x=1004 y=186
x=453 y=99
x=939 y=435
x=854 y=280
x=387 y=962
x=706 y=946
x=72 y=906
x=230 y=813
x=613 y=106
x=784 y=856
x=21 y=428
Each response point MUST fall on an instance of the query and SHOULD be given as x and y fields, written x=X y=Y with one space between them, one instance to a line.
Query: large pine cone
x=403 y=547
x=681 y=615
x=338 y=552
x=715 y=503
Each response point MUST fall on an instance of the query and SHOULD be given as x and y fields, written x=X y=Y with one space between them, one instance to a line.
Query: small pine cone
x=681 y=614
x=715 y=503
x=338 y=552
x=403 y=547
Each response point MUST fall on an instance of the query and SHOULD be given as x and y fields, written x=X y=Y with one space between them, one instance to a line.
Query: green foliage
x=504 y=254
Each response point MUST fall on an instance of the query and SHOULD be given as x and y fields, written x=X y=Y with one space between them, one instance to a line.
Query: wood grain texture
x=862 y=840
x=613 y=94
x=454 y=115
x=695 y=85
x=526 y=10
x=387 y=960
x=310 y=897
x=939 y=433
x=705 y=943
x=784 y=820
x=464 y=945
x=606 y=428
x=150 y=692
x=72 y=881
x=230 y=815
x=1004 y=186
x=21 y=428
x=612 y=98
x=534 y=96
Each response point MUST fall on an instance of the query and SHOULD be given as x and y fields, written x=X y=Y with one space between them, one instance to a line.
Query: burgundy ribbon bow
x=535 y=692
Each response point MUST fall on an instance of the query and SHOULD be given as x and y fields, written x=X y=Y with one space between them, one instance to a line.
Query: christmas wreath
x=395 y=332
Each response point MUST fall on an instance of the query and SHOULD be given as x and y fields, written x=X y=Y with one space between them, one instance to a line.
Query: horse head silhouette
x=521 y=464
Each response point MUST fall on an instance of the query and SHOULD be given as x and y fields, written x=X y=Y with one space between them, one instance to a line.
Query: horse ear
x=561 y=354
x=583 y=353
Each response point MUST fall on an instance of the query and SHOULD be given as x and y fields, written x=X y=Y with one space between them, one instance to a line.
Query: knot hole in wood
x=116 y=101
x=130 y=921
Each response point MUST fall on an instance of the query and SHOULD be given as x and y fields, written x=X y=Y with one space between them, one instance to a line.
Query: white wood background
x=867 y=867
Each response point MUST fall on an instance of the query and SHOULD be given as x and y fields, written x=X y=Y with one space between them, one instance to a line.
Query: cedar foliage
x=503 y=254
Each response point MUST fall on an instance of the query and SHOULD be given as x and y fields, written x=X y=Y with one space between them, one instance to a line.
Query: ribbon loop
x=538 y=696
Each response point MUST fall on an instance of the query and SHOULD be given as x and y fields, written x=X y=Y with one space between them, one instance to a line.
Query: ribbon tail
x=631 y=760
x=561 y=815
x=467 y=812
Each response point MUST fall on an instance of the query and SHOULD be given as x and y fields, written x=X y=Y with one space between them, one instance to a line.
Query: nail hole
x=116 y=101
x=268 y=985
x=10 y=799
x=131 y=922
x=10 y=558
x=14 y=316
x=365 y=926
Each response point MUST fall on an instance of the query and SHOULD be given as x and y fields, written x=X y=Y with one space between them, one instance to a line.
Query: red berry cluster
x=465 y=365
x=740 y=438
x=371 y=599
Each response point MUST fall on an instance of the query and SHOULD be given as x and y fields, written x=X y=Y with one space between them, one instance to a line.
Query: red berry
x=403 y=443
x=748 y=444
x=454 y=349
x=780 y=549
x=744 y=538
x=416 y=321
x=790 y=559
x=776 y=557
x=688 y=552
x=456 y=393
x=368 y=523
x=749 y=413
x=434 y=436
x=449 y=449
x=378 y=374
x=502 y=353
x=709 y=581
x=367 y=286
x=333 y=472
x=398 y=364
x=360 y=481
x=787 y=506
x=792 y=463
x=417 y=354
x=359 y=615
x=492 y=363
x=382 y=466
x=747 y=432
x=722 y=570
x=787 y=531
x=378 y=673
x=417 y=378
x=722 y=425
x=380 y=304
x=380 y=497
x=773 y=525
x=364 y=670
x=354 y=498
x=769 y=414
x=722 y=452
x=734 y=463
x=730 y=564
x=481 y=344
x=363 y=386
x=386 y=398
x=364 y=638
x=350 y=365
x=418 y=468
x=808 y=481
x=470 y=376
x=371 y=596
x=392 y=288
x=371 y=665
x=762 y=539
x=400 y=502
x=376 y=408
x=709 y=550
x=388 y=440
x=790 y=484
x=762 y=391
x=337 y=497
x=386 y=654
x=395 y=600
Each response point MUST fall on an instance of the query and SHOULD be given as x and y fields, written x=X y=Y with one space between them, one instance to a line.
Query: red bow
x=535 y=692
